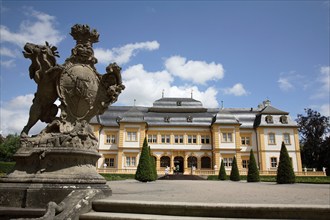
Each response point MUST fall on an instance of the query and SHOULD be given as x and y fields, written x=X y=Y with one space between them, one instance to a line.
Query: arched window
x=164 y=161
x=192 y=161
x=206 y=162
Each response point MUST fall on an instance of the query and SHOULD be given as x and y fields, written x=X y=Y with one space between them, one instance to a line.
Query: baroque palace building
x=182 y=133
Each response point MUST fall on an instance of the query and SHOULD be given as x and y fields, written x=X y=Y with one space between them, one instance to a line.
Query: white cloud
x=14 y=115
x=146 y=87
x=285 y=84
x=323 y=81
x=196 y=71
x=8 y=52
x=38 y=28
x=7 y=63
x=236 y=90
x=122 y=55
x=325 y=109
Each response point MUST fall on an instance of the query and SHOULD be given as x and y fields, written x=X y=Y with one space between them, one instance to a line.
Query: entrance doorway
x=178 y=164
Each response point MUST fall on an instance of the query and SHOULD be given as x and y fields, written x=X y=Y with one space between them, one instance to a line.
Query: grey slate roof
x=272 y=111
x=190 y=112
x=177 y=105
x=225 y=117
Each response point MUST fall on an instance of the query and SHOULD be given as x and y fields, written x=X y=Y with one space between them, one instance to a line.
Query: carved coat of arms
x=83 y=92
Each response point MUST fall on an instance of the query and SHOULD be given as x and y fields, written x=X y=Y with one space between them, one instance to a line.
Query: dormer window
x=284 y=119
x=166 y=119
x=178 y=103
x=189 y=119
x=269 y=119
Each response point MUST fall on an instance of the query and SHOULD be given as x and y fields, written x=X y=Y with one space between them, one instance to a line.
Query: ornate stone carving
x=83 y=92
x=63 y=155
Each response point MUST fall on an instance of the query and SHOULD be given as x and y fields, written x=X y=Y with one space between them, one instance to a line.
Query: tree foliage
x=234 y=174
x=222 y=172
x=314 y=139
x=8 y=147
x=285 y=173
x=253 y=172
x=144 y=172
x=153 y=165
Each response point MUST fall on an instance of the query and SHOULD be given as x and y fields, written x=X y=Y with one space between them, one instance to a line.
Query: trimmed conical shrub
x=234 y=174
x=222 y=172
x=253 y=172
x=285 y=173
x=144 y=172
x=153 y=165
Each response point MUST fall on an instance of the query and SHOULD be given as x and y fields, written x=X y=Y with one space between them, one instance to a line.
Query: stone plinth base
x=38 y=195
x=62 y=201
x=62 y=180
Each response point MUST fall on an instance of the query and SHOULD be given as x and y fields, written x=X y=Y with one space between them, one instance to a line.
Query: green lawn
x=112 y=177
x=5 y=167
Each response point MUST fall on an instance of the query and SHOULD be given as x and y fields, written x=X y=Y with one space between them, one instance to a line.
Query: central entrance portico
x=178 y=164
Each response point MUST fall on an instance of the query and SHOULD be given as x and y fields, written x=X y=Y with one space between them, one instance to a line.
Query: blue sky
x=238 y=52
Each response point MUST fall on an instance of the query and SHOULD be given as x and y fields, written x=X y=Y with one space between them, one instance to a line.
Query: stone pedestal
x=44 y=175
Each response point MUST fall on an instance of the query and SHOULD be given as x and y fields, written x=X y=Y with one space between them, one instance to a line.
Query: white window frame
x=246 y=140
x=227 y=137
x=271 y=139
x=152 y=138
x=205 y=139
x=286 y=138
x=166 y=138
x=178 y=139
x=228 y=162
x=273 y=162
x=245 y=163
x=110 y=139
x=131 y=136
x=192 y=139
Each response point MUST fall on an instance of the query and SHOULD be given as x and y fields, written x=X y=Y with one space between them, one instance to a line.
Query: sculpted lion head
x=42 y=57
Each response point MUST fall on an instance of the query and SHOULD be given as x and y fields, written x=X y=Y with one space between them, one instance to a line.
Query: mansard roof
x=225 y=117
x=190 y=112
x=134 y=114
x=177 y=105
x=272 y=111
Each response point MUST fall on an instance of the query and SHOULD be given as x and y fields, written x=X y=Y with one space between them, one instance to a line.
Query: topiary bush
x=253 y=172
x=144 y=172
x=285 y=173
x=234 y=174
x=153 y=165
x=222 y=172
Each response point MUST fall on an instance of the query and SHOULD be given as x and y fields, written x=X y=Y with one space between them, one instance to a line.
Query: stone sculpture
x=64 y=153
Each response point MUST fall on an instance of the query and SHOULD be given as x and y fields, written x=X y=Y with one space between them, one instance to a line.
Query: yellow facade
x=191 y=147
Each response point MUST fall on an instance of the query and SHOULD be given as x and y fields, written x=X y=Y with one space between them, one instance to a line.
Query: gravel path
x=221 y=192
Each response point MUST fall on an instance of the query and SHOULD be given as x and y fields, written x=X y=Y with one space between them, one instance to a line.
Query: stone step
x=218 y=210
x=14 y=212
x=113 y=215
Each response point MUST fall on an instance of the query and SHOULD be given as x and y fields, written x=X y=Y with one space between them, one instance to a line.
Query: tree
x=153 y=165
x=222 y=172
x=285 y=173
x=253 y=172
x=8 y=147
x=314 y=139
x=144 y=172
x=234 y=174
